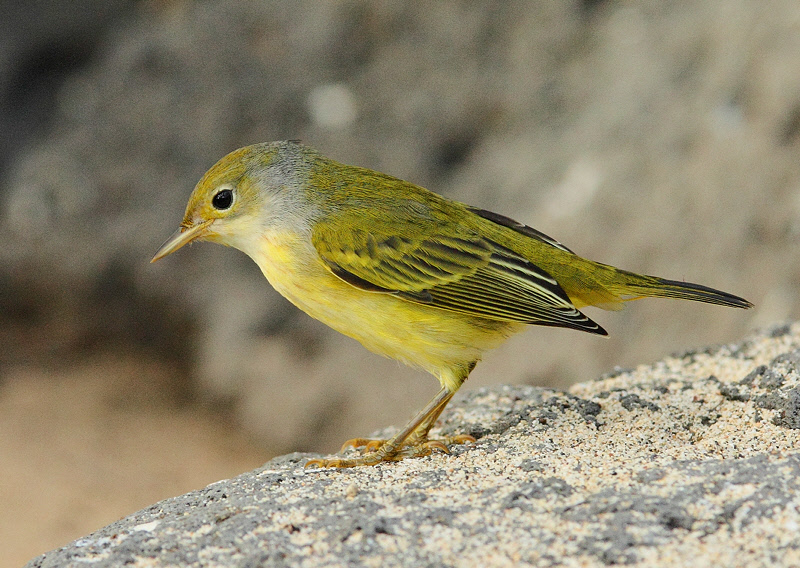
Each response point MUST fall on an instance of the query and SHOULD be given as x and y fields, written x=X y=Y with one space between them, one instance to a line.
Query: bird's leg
x=419 y=437
x=415 y=437
x=411 y=441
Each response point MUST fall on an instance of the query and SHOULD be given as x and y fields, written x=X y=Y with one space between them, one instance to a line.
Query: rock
x=656 y=466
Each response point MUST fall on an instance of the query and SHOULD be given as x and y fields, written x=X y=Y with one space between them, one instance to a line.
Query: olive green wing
x=444 y=265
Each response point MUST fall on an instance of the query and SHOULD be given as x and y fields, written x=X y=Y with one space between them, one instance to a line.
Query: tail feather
x=639 y=286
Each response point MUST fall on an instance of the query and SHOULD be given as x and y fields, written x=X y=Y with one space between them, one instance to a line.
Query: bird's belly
x=429 y=338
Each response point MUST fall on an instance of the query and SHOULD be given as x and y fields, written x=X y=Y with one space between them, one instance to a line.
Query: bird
x=410 y=274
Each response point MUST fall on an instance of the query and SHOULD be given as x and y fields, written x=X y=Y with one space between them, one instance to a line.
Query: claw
x=320 y=463
x=419 y=450
x=368 y=444
x=367 y=459
x=410 y=442
x=377 y=451
x=431 y=445
x=357 y=443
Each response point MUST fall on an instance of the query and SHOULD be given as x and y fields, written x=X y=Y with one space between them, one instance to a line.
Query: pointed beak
x=182 y=237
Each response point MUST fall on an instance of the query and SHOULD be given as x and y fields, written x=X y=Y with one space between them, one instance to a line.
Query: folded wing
x=446 y=266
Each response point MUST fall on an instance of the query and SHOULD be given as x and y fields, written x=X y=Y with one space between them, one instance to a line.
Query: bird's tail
x=633 y=286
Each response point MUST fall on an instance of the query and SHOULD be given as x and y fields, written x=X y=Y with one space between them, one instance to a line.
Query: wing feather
x=447 y=266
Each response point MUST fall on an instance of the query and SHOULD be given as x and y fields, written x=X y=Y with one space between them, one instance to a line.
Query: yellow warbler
x=411 y=275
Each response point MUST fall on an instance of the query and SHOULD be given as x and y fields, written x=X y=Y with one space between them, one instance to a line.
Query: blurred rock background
x=658 y=136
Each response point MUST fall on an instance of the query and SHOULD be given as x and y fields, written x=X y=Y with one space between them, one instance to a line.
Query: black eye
x=222 y=200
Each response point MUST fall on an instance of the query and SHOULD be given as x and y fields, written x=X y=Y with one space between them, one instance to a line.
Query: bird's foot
x=377 y=451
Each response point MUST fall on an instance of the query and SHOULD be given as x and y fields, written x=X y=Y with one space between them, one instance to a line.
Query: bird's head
x=250 y=191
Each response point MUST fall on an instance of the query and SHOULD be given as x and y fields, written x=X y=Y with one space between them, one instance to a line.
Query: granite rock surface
x=691 y=460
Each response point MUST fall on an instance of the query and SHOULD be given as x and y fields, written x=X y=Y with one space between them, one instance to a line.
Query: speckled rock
x=692 y=460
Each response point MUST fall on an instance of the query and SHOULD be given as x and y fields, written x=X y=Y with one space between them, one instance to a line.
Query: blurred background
x=658 y=136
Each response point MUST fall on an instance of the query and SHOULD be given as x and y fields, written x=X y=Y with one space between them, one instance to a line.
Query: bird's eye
x=222 y=200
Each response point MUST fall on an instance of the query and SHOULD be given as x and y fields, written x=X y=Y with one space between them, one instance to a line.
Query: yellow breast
x=428 y=338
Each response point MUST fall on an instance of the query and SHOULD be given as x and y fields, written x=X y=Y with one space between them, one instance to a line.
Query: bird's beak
x=182 y=237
